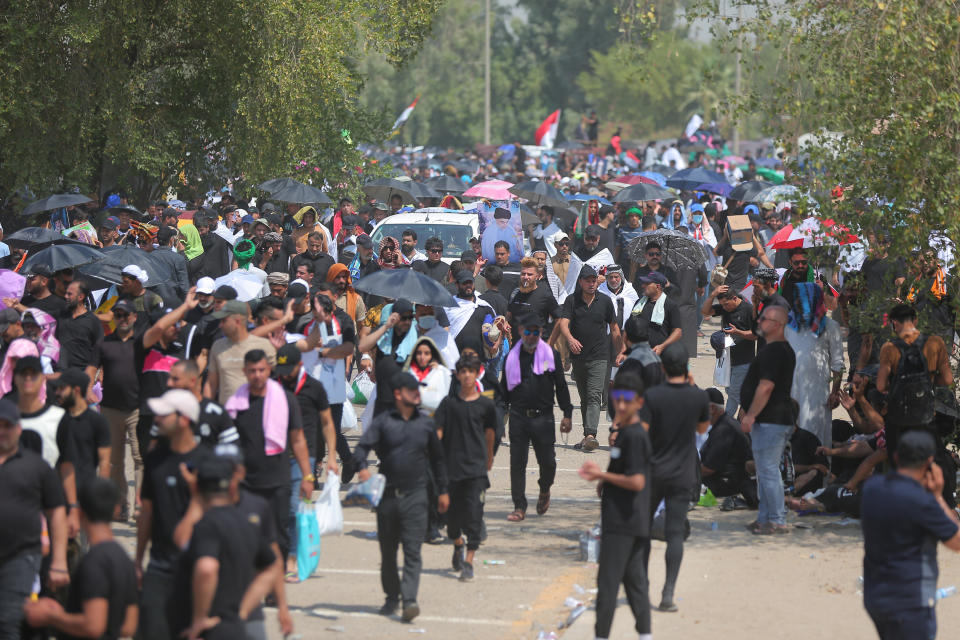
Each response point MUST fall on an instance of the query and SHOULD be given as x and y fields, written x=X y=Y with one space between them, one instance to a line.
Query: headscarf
x=350 y=293
x=19 y=348
x=450 y=202
x=244 y=256
x=192 y=244
x=393 y=264
x=411 y=363
x=807 y=308
x=298 y=216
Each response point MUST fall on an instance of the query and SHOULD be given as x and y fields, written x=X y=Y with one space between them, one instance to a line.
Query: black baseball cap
x=364 y=241
x=40 y=270
x=288 y=357
x=214 y=474
x=531 y=319
x=404 y=380
x=654 y=277
x=28 y=363
x=586 y=271
x=469 y=255
x=402 y=306
x=464 y=276
x=124 y=305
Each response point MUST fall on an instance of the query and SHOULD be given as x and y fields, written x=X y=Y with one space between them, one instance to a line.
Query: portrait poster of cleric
x=501 y=221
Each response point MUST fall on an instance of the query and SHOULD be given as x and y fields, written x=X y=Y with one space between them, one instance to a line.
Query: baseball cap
x=40 y=270
x=9 y=412
x=469 y=256
x=404 y=380
x=176 y=401
x=232 y=308
x=531 y=319
x=247 y=219
x=464 y=276
x=8 y=317
x=205 y=285
x=225 y=292
x=654 y=277
x=364 y=241
x=268 y=206
x=125 y=305
x=586 y=271
x=402 y=306
x=28 y=363
x=109 y=223
x=696 y=206
x=715 y=395
x=214 y=474
x=288 y=357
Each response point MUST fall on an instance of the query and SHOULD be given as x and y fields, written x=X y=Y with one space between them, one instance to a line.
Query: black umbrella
x=290 y=190
x=690 y=179
x=446 y=184
x=747 y=190
x=420 y=190
x=539 y=192
x=383 y=189
x=35 y=238
x=406 y=284
x=276 y=184
x=642 y=192
x=123 y=255
x=677 y=246
x=57 y=201
x=63 y=256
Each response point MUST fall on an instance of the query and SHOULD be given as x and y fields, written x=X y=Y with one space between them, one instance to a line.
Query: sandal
x=290 y=577
x=543 y=503
x=754 y=527
x=517 y=515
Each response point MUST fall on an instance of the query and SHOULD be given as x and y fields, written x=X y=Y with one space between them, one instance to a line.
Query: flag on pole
x=402 y=120
x=547 y=131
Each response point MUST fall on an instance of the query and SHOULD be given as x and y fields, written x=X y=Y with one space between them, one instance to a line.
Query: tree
x=177 y=90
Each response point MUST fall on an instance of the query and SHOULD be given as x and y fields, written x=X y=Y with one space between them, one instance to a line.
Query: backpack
x=910 y=402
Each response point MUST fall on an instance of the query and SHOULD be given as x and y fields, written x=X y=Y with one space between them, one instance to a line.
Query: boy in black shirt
x=102 y=601
x=624 y=509
x=466 y=425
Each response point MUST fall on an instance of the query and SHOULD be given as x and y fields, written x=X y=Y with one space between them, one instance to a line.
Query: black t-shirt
x=121 y=385
x=52 y=304
x=775 y=362
x=385 y=365
x=726 y=449
x=738 y=269
x=464 y=441
x=623 y=511
x=589 y=325
x=539 y=301
x=312 y=399
x=153 y=368
x=675 y=410
x=673 y=286
x=495 y=300
x=436 y=270
x=213 y=427
x=86 y=433
x=165 y=488
x=803 y=448
x=263 y=471
x=30 y=486
x=659 y=332
x=743 y=350
x=79 y=338
x=206 y=330
x=105 y=571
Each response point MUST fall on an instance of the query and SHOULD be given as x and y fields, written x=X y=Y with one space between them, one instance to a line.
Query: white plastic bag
x=721 y=372
x=361 y=388
x=348 y=422
x=329 y=511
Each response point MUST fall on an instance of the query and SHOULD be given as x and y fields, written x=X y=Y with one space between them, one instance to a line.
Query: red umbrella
x=812 y=233
x=628 y=181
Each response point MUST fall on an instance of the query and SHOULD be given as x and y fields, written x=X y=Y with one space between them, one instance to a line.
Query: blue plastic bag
x=366 y=493
x=308 y=540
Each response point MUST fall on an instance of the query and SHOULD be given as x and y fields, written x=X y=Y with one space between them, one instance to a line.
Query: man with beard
x=107 y=234
x=83 y=432
x=433 y=266
x=38 y=293
x=468 y=318
x=546 y=234
x=384 y=345
x=800 y=271
x=316 y=255
x=590 y=244
x=206 y=328
x=408 y=247
x=348 y=300
x=272 y=257
x=217 y=252
x=659 y=311
x=132 y=281
x=214 y=425
x=79 y=331
x=765 y=291
x=654 y=254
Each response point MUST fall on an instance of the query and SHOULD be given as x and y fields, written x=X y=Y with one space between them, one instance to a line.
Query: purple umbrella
x=721 y=188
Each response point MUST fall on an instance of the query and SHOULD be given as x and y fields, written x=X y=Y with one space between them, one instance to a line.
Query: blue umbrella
x=690 y=179
x=721 y=188
x=583 y=197
x=659 y=178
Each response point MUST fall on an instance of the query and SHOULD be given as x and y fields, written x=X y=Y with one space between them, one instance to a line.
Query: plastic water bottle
x=946 y=592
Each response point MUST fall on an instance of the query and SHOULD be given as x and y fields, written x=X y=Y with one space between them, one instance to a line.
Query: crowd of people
x=231 y=399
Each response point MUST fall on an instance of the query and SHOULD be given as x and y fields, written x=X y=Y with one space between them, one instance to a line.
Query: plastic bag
x=366 y=493
x=361 y=387
x=328 y=509
x=308 y=540
x=348 y=421
x=721 y=372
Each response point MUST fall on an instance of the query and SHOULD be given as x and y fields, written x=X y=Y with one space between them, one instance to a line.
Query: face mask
x=427 y=322
x=697 y=218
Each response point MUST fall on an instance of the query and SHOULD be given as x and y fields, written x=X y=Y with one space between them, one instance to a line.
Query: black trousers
x=401 y=519
x=677 y=501
x=723 y=486
x=466 y=510
x=144 y=423
x=279 y=499
x=525 y=431
x=910 y=624
x=622 y=560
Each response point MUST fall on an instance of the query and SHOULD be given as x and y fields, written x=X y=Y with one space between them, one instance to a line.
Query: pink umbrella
x=491 y=190
x=811 y=233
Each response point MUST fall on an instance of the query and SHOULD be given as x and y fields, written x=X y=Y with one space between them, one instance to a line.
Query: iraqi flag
x=547 y=131
x=402 y=120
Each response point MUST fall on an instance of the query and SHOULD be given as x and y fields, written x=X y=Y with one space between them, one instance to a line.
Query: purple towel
x=542 y=361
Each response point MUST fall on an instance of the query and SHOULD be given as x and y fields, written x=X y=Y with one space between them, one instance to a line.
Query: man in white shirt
x=547 y=232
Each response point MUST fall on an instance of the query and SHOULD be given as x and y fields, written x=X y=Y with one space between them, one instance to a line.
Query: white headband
x=136 y=272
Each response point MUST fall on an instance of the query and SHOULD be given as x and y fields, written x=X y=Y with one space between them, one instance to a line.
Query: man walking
x=405 y=441
x=769 y=417
x=532 y=375
x=659 y=310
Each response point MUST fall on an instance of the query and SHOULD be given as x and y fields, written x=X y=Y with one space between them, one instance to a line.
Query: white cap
x=176 y=401
x=136 y=272
x=206 y=285
x=303 y=282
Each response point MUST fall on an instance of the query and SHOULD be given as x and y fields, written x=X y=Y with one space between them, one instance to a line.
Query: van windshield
x=455 y=237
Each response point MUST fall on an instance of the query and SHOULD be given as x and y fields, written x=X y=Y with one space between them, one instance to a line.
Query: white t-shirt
x=45 y=424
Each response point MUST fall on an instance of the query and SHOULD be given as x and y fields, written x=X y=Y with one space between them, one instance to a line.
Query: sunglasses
x=800 y=263
x=120 y=314
x=434 y=250
x=406 y=317
x=564 y=243
x=623 y=395
x=531 y=332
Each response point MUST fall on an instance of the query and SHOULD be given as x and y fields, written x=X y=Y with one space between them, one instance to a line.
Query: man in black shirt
x=654 y=254
x=467 y=424
x=493 y=275
x=386 y=359
x=532 y=373
x=316 y=255
x=404 y=440
x=79 y=331
x=103 y=592
x=165 y=497
x=30 y=489
x=590 y=245
x=736 y=321
x=723 y=458
x=38 y=294
x=433 y=266
x=678 y=411
x=588 y=318
x=659 y=310
x=530 y=298
x=82 y=432
x=624 y=510
x=768 y=414
x=640 y=358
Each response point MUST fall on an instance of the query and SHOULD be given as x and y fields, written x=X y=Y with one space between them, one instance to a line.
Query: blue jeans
x=16 y=583
x=295 y=478
x=737 y=373
x=768 y=441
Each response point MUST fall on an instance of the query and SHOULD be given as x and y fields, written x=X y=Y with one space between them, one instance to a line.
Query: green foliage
x=179 y=90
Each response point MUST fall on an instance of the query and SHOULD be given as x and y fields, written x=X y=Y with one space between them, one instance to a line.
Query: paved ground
x=731 y=583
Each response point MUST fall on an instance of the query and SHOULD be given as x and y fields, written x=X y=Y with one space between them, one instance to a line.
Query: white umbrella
x=247 y=285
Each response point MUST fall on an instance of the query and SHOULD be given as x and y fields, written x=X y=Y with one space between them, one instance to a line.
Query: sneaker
x=739 y=504
x=467 y=574
x=410 y=611
x=668 y=605
x=389 y=608
x=590 y=443
x=434 y=537
x=457 y=557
